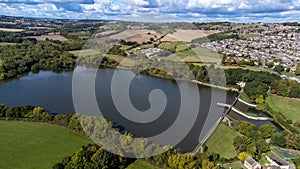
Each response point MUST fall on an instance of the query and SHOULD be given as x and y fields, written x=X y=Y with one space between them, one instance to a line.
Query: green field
x=205 y=55
x=141 y=165
x=221 y=141
x=6 y=44
x=290 y=108
x=27 y=145
x=84 y=52
x=235 y=166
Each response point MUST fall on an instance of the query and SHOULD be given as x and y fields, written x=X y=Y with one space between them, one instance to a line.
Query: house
x=250 y=163
x=277 y=162
x=293 y=69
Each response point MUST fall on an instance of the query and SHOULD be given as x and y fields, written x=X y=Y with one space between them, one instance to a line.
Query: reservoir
x=53 y=91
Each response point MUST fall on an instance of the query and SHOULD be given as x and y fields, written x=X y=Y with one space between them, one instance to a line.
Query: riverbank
x=250 y=116
x=192 y=81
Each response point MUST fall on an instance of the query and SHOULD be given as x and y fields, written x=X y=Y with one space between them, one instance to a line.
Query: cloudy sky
x=157 y=10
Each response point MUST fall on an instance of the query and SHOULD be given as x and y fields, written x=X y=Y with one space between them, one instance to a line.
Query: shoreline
x=215 y=86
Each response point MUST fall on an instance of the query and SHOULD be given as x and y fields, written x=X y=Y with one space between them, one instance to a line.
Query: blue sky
x=157 y=10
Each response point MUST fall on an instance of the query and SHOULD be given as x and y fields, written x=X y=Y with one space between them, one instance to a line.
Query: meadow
x=28 y=145
x=217 y=144
x=288 y=107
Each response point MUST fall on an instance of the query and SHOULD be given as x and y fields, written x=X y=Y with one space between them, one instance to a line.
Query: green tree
x=278 y=139
x=297 y=73
x=3 y=110
x=267 y=130
x=206 y=164
x=279 y=68
x=184 y=161
x=246 y=127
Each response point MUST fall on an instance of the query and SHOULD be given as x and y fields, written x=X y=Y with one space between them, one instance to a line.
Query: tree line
x=38 y=114
x=286 y=88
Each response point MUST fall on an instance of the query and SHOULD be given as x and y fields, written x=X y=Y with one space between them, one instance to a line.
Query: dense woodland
x=286 y=88
x=94 y=157
x=29 y=56
x=253 y=139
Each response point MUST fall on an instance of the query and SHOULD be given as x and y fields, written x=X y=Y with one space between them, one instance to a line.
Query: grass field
x=204 y=55
x=290 y=108
x=26 y=145
x=141 y=165
x=45 y=37
x=126 y=62
x=7 y=44
x=84 y=52
x=221 y=141
x=235 y=166
x=173 y=58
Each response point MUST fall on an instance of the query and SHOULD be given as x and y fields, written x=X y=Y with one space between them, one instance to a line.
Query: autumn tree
x=243 y=155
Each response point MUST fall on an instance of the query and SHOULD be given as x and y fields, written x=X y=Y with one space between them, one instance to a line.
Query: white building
x=278 y=162
x=250 y=163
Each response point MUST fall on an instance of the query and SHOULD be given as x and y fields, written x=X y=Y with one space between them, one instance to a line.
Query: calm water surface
x=53 y=91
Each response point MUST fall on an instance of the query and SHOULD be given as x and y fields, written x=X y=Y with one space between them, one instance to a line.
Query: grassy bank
x=27 y=145
x=221 y=141
x=245 y=98
x=141 y=165
x=288 y=107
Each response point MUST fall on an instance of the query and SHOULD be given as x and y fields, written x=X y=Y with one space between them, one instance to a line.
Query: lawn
x=141 y=165
x=290 y=108
x=27 y=145
x=235 y=166
x=221 y=141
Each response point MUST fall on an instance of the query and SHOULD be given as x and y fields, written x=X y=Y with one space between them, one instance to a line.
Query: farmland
x=11 y=30
x=51 y=37
x=141 y=35
x=187 y=35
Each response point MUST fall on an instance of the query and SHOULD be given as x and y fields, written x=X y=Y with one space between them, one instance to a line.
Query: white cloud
x=187 y=9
